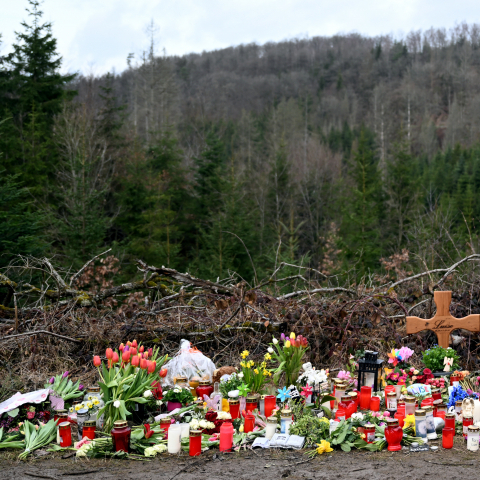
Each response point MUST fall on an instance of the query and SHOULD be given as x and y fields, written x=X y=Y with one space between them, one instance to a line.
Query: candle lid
x=180 y=379
x=119 y=423
x=195 y=433
x=252 y=398
x=82 y=411
x=369 y=425
x=64 y=425
x=391 y=394
x=392 y=422
x=337 y=380
x=346 y=398
x=341 y=386
x=352 y=394
x=467 y=415
x=458 y=403
x=449 y=415
x=262 y=397
x=435 y=390
x=205 y=383
x=410 y=399
x=272 y=419
x=93 y=388
x=427 y=408
x=473 y=428
x=286 y=412
x=166 y=420
x=90 y=423
x=438 y=402
x=233 y=401
x=60 y=411
x=420 y=412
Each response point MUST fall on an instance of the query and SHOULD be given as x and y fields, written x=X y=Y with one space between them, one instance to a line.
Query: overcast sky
x=95 y=36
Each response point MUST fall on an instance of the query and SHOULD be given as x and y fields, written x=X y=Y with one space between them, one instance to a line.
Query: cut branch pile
x=57 y=326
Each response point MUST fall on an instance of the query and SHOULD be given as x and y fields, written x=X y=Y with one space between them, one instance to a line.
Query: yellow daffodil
x=265 y=373
x=324 y=447
x=252 y=363
x=292 y=336
x=409 y=422
x=245 y=354
x=287 y=344
x=256 y=371
x=242 y=364
x=268 y=356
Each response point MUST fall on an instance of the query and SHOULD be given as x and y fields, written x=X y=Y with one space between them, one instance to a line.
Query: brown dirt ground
x=276 y=465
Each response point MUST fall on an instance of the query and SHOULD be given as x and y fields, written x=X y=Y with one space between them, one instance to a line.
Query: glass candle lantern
x=226 y=437
x=271 y=427
x=252 y=403
x=204 y=388
x=93 y=392
x=410 y=403
x=270 y=404
x=195 y=443
x=369 y=368
x=467 y=421
x=421 y=425
x=82 y=417
x=59 y=414
x=401 y=409
x=174 y=438
x=193 y=383
x=473 y=435
x=450 y=421
x=365 y=396
x=393 y=435
x=234 y=405
x=249 y=423
x=369 y=431
x=398 y=389
x=391 y=401
x=285 y=421
x=181 y=382
x=165 y=425
x=345 y=403
x=375 y=404
x=65 y=431
x=89 y=428
x=447 y=437
x=427 y=402
x=121 y=436
x=431 y=432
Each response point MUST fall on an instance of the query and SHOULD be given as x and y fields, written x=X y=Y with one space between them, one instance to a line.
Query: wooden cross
x=443 y=323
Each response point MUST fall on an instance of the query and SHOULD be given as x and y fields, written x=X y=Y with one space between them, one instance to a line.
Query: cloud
x=97 y=35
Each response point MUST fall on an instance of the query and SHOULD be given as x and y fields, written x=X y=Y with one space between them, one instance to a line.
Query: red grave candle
x=365 y=396
x=369 y=431
x=65 y=434
x=450 y=421
x=467 y=420
x=195 y=443
x=121 y=436
x=165 y=425
x=251 y=403
x=393 y=435
x=204 y=388
x=340 y=414
x=226 y=437
x=270 y=404
x=375 y=404
x=234 y=405
x=454 y=380
x=89 y=428
x=400 y=417
x=447 y=437
x=249 y=423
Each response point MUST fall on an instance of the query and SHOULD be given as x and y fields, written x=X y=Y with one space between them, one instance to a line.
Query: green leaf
x=345 y=447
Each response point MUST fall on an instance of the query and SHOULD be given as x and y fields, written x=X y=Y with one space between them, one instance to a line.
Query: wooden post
x=443 y=323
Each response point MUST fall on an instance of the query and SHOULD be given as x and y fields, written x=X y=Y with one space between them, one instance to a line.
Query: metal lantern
x=369 y=367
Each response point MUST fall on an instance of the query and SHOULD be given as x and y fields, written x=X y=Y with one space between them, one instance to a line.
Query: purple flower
x=52 y=380
x=469 y=391
x=81 y=387
x=126 y=349
x=282 y=336
x=65 y=374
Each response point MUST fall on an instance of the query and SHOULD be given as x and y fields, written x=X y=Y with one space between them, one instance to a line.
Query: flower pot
x=173 y=405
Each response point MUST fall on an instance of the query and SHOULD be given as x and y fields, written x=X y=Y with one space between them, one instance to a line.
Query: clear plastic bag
x=189 y=362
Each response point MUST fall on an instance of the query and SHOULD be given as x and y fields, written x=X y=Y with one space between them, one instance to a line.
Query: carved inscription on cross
x=443 y=323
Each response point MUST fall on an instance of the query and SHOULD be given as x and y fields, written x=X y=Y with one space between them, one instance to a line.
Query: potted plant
x=177 y=398
x=433 y=358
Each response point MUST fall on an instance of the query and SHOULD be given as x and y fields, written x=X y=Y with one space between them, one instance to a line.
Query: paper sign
x=420 y=448
x=419 y=389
